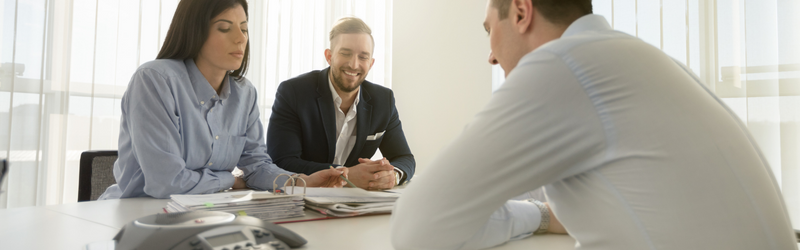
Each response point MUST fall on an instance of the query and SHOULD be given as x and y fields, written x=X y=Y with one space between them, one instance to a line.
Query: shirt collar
x=226 y=87
x=338 y=100
x=587 y=23
x=202 y=89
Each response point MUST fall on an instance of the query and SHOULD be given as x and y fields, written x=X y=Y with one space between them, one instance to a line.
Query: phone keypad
x=265 y=246
x=264 y=240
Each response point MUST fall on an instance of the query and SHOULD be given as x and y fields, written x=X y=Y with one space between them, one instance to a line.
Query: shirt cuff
x=226 y=180
x=402 y=175
x=526 y=218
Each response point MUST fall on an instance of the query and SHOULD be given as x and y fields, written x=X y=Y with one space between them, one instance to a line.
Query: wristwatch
x=396 y=177
x=544 y=225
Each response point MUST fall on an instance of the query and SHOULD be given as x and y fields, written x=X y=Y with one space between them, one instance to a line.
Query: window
x=64 y=66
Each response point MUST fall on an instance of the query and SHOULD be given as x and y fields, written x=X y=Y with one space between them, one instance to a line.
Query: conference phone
x=205 y=230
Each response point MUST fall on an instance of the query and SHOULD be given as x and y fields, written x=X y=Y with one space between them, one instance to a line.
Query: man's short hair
x=559 y=12
x=351 y=25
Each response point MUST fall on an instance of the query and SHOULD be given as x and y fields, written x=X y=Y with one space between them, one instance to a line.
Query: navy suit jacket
x=301 y=136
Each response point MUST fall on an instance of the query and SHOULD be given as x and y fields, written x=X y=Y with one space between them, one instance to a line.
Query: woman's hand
x=326 y=178
x=239 y=183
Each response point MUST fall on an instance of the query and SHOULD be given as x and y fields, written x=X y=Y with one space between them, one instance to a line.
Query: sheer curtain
x=65 y=65
x=746 y=51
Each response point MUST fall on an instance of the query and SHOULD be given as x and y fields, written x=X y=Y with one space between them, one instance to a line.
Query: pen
x=345 y=179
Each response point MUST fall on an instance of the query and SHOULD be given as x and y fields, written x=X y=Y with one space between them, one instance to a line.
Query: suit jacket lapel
x=327 y=112
x=363 y=123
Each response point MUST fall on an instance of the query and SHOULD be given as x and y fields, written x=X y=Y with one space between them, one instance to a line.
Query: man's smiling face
x=351 y=59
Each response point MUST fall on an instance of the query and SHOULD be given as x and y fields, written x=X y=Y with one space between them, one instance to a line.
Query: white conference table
x=73 y=226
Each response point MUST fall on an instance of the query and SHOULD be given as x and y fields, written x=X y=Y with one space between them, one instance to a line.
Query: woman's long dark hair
x=189 y=30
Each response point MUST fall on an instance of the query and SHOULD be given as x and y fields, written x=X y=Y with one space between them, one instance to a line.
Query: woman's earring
x=230 y=71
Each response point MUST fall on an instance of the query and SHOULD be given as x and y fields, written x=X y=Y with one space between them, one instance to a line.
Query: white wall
x=441 y=76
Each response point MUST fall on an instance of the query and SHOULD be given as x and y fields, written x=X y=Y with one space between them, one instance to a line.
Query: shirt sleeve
x=257 y=166
x=513 y=221
x=394 y=145
x=153 y=123
x=285 y=135
x=538 y=128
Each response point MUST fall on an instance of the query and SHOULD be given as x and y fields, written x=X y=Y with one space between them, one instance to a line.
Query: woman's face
x=227 y=40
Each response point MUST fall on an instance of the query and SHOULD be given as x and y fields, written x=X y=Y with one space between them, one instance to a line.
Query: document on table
x=346 y=210
x=260 y=204
x=344 y=202
x=238 y=197
x=347 y=195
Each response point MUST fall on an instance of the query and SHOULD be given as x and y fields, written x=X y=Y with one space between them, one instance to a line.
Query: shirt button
x=209 y=111
x=210 y=163
x=216 y=137
x=202 y=102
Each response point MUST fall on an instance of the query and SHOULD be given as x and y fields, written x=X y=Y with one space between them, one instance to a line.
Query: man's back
x=634 y=153
x=679 y=171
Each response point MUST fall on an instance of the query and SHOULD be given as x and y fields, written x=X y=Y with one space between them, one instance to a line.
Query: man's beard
x=339 y=82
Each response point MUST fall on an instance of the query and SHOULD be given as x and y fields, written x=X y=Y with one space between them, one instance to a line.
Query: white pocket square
x=375 y=136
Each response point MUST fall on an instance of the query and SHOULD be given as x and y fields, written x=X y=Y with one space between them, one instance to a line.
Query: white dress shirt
x=346 y=129
x=632 y=149
x=345 y=126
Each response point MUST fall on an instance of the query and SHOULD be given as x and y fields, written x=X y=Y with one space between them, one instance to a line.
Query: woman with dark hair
x=189 y=117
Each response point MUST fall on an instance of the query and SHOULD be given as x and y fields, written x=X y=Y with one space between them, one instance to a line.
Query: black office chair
x=797 y=233
x=3 y=171
x=96 y=174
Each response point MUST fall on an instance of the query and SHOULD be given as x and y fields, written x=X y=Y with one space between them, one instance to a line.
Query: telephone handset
x=205 y=230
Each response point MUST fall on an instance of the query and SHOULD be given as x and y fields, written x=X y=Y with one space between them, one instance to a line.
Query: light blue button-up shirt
x=177 y=136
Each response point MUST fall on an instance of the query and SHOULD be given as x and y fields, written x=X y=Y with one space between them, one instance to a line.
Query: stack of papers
x=260 y=204
x=344 y=202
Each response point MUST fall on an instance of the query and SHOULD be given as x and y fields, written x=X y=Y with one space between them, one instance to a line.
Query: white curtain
x=747 y=51
x=66 y=64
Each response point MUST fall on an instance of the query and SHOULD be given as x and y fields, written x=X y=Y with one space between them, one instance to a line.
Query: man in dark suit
x=333 y=117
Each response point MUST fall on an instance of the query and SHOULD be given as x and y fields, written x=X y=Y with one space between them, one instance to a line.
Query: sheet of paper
x=334 y=200
x=395 y=190
x=347 y=195
x=346 y=212
x=345 y=192
x=238 y=197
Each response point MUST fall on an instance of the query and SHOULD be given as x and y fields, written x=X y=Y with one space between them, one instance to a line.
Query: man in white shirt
x=631 y=148
x=334 y=117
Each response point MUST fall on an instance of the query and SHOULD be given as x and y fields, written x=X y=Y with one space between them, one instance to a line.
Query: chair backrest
x=797 y=233
x=96 y=174
x=3 y=171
